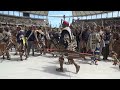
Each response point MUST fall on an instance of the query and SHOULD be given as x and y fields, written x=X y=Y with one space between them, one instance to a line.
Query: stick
x=69 y=51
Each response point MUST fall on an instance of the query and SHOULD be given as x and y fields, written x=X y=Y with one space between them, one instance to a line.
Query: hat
x=65 y=23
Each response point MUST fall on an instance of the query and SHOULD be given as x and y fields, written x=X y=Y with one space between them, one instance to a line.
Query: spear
x=61 y=21
x=82 y=25
x=64 y=17
x=102 y=24
x=94 y=23
x=81 y=34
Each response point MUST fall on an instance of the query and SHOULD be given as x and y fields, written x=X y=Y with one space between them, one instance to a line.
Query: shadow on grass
x=54 y=62
x=52 y=70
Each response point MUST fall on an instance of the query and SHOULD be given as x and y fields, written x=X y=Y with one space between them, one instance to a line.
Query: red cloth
x=66 y=23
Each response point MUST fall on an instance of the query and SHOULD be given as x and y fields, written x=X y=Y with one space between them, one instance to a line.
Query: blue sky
x=55 y=21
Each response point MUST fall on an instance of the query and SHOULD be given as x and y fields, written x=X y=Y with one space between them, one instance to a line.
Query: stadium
x=69 y=45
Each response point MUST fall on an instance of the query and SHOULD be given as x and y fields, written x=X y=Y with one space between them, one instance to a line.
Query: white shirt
x=69 y=30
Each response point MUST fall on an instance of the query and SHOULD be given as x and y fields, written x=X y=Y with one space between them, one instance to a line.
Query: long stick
x=81 y=36
x=102 y=24
x=68 y=51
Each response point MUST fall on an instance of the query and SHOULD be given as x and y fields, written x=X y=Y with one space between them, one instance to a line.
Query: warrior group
x=96 y=40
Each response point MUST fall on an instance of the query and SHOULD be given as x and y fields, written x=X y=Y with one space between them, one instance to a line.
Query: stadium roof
x=74 y=13
x=44 y=13
x=86 y=13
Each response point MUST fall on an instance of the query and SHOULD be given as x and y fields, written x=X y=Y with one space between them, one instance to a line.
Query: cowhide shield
x=65 y=38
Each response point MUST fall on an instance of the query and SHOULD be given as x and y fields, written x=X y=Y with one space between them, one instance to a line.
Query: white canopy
x=86 y=13
x=74 y=13
x=44 y=13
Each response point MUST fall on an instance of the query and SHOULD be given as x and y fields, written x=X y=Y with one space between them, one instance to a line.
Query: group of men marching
x=94 y=40
x=26 y=37
x=30 y=37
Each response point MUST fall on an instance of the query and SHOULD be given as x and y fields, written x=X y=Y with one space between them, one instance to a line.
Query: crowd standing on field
x=99 y=38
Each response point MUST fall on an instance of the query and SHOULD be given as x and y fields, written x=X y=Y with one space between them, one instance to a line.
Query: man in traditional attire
x=94 y=43
x=84 y=40
x=41 y=40
x=1 y=40
x=77 y=33
x=65 y=39
x=20 y=35
x=21 y=43
x=66 y=35
x=30 y=36
x=7 y=40
x=1 y=34
x=107 y=36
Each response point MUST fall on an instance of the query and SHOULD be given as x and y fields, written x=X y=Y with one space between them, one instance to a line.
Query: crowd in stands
x=113 y=23
x=20 y=20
